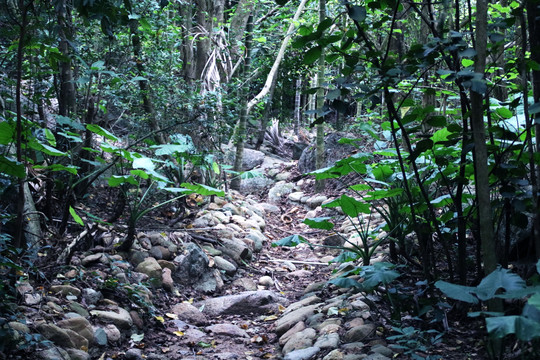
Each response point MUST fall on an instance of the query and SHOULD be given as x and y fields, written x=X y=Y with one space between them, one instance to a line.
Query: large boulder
x=192 y=265
x=332 y=149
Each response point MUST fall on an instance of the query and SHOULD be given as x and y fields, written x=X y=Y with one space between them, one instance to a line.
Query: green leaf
x=101 y=131
x=535 y=301
x=144 y=163
x=501 y=326
x=319 y=223
x=12 y=167
x=116 y=180
x=357 y=13
x=353 y=207
x=499 y=279
x=479 y=86
x=325 y=24
x=140 y=173
x=46 y=149
x=347 y=283
x=290 y=241
x=204 y=190
x=6 y=132
x=383 y=194
x=312 y=55
x=379 y=273
x=534 y=108
x=527 y=329
x=76 y=217
x=58 y=167
x=457 y=292
x=345 y=256
x=467 y=62
x=504 y=113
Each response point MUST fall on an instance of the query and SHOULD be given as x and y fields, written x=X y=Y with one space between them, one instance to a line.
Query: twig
x=299 y=262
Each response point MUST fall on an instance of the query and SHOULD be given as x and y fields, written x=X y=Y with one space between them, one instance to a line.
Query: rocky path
x=210 y=288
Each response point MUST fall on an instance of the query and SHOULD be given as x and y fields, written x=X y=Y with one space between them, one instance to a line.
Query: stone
x=256 y=302
x=210 y=282
x=376 y=357
x=151 y=268
x=19 y=327
x=314 y=287
x=302 y=354
x=251 y=159
x=279 y=190
x=56 y=334
x=91 y=296
x=122 y=319
x=359 y=333
x=306 y=301
x=383 y=350
x=227 y=266
x=266 y=281
x=136 y=256
x=245 y=283
x=359 y=305
x=133 y=354
x=100 y=337
x=137 y=321
x=255 y=185
x=79 y=309
x=79 y=325
x=295 y=329
x=167 y=280
x=299 y=340
x=290 y=319
x=328 y=341
x=54 y=353
x=334 y=355
x=296 y=196
x=258 y=239
x=160 y=253
x=227 y=330
x=76 y=354
x=191 y=265
x=187 y=312
x=65 y=290
x=90 y=259
x=167 y=264
x=113 y=333
x=315 y=201
x=270 y=208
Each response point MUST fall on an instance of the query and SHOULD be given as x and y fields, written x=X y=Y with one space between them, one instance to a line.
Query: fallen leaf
x=270 y=318
x=281 y=308
x=172 y=316
x=160 y=319
x=178 y=333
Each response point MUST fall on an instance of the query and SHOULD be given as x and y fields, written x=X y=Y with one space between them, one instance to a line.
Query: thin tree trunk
x=188 y=60
x=297 y=106
x=236 y=181
x=319 y=156
x=67 y=93
x=266 y=115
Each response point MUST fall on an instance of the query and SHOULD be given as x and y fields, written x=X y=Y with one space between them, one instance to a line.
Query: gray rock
x=113 y=334
x=65 y=290
x=315 y=201
x=245 y=283
x=167 y=280
x=90 y=259
x=227 y=329
x=76 y=354
x=91 y=296
x=295 y=329
x=359 y=333
x=56 y=334
x=302 y=354
x=54 y=353
x=151 y=268
x=160 y=253
x=296 y=196
x=80 y=325
x=328 y=341
x=225 y=265
x=79 y=309
x=256 y=302
x=334 y=355
x=383 y=350
x=255 y=185
x=306 y=301
x=251 y=159
x=122 y=319
x=270 y=208
x=133 y=354
x=266 y=281
x=279 y=190
x=290 y=319
x=136 y=257
x=376 y=357
x=359 y=305
x=258 y=239
x=100 y=337
x=210 y=282
x=189 y=313
x=191 y=265
x=299 y=340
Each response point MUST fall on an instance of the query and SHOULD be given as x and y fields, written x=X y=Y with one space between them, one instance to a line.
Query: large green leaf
x=11 y=167
x=353 y=207
x=312 y=55
x=379 y=273
x=75 y=217
x=501 y=326
x=204 y=190
x=290 y=241
x=46 y=149
x=499 y=279
x=101 y=131
x=527 y=329
x=458 y=292
x=357 y=13
x=319 y=223
x=116 y=180
x=345 y=283
x=144 y=163
x=6 y=132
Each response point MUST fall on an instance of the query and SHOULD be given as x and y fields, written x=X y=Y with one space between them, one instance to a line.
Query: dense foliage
x=442 y=100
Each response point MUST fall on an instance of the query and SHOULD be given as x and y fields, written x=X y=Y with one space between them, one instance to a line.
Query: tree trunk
x=319 y=157
x=239 y=140
x=266 y=115
x=67 y=93
x=203 y=37
x=188 y=60
x=298 y=106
